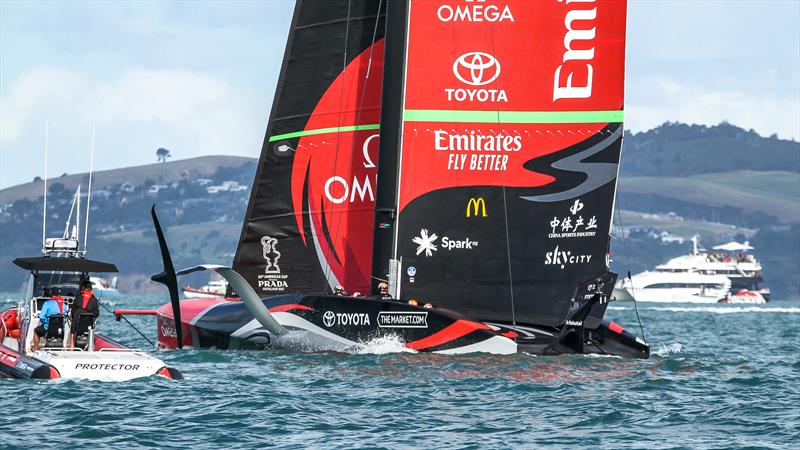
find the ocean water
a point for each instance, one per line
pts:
(721, 376)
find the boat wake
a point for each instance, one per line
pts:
(668, 348)
(721, 309)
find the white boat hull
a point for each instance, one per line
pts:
(102, 365)
(201, 294)
(668, 295)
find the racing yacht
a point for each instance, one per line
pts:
(727, 275)
(478, 178)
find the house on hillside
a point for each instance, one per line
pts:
(226, 186)
(156, 188)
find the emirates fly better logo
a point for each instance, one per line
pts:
(476, 68)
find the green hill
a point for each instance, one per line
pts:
(681, 150)
(136, 176)
(774, 193)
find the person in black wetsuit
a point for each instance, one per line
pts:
(87, 302)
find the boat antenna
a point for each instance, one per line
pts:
(89, 195)
(76, 229)
(44, 211)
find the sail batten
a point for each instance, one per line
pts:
(340, 129)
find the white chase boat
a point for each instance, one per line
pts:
(93, 357)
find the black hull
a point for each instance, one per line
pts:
(607, 339)
(322, 323)
(16, 365)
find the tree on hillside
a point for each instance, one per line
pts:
(162, 154)
(56, 189)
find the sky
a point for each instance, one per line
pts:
(197, 77)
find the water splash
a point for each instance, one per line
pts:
(666, 349)
(383, 345)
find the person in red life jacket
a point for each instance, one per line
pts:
(87, 302)
(53, 306)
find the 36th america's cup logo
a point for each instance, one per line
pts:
(271, 254)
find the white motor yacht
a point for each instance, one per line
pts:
(728, 272)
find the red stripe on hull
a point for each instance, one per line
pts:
(291, 307)
(458, 329)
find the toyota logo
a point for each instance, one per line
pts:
(476, 68)
(328, 318)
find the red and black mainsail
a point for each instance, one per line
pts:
(310, 218)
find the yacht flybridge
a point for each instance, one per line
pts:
(726, 275)
(468, 160)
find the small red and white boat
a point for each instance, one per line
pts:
(744, 296)
(214, 289)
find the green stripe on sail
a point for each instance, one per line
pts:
(277, 137)
(443, 115)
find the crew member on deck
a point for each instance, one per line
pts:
(383, 291)
(53, 306)
(339, 290)
(87, 302)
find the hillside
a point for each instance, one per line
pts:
(162, 173)
(680, 150)
(722, 182)
(773, 193)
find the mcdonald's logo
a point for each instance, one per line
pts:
(476, 207)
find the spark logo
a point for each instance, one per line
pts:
(425, 242)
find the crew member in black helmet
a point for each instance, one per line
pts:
(339, 290)
(383, 291)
